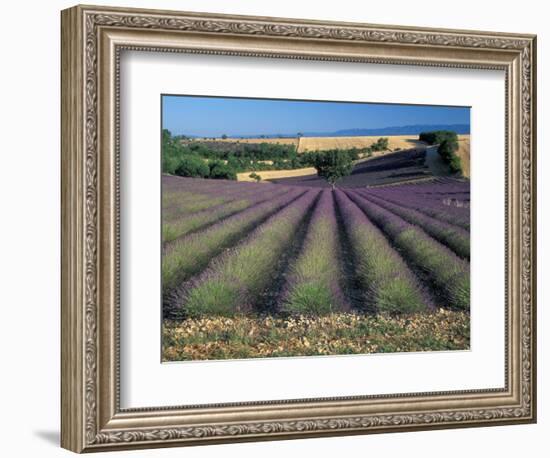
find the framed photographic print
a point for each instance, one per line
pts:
(278, 228)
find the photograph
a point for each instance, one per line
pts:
(313, 228)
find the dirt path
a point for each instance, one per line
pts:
(435, 163)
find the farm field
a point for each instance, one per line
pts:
(326, 143)
(285, 269)
(384, 168)
(304, 144)
(406, 165)
(272, 175)
(464, 153)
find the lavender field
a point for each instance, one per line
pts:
(262, 269)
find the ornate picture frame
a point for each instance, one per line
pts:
(92, 41)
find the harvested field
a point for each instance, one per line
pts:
(464, 153)
(325, 143)
(277, 174)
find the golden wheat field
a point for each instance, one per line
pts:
(276, 174)
(324, 143)
(464, 153)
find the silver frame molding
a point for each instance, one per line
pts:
(92, 40)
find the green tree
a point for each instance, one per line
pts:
(333, 165)
(221, 171)
(192, 166)
(166, 136)
(224, 136)
(436, 137)
(447, 150)
(172, 152)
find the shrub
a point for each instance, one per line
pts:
(255, 176)
(222, 171)
(307, 159)
(447, 150)
(169, 164)
(437, 136)
(353, 153)
(192, 166)
(455, 164)
(380, 145)
(171, 152)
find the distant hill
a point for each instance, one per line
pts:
(461, 129)
(394, 130)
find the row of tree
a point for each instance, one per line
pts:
(249, 151)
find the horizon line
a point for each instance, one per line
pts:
(308, 134)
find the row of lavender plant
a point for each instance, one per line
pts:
(179, 204)
(197, 194)
(387, 283)
(444, 269)
(193, 185)
(190, 254)
(234, 282)
(206, 188)
(460, 200)
(172, 230)
(182, 203)
(174, 185)
(428, 190)
(437, 192)
(434, 188)
(435, 209)
(313, 286)
(213, 188)
(454, 237)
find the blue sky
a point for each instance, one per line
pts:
(215, 116)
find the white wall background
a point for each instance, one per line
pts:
(29, 241)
